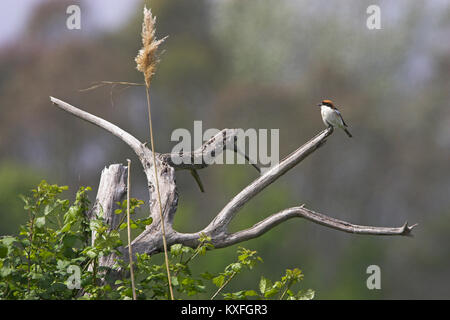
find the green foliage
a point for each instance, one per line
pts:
(282, 288)
(134, 224)
(39, 263)
(247, 259)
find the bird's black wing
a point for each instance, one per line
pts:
(340, 115)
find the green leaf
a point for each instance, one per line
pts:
(8, 241)
(62, 264)
(123, 226)
(278, 285)
(3, 251)
(187, 250)
(147, 221)
(236, 267)
(66, 227)
(70, 240)
(176, 249)
(175, 281)
(95, 224)
(250, 293)
(4, 272)
(219, 280)
(40, 222)
(206, 275)
(25, 200)
(271, 292)
(50, 208)
(71, 214)
(242, 257)
(308, 295)
(263, 284)
(91, 254)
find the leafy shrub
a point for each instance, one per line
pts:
(53, 258)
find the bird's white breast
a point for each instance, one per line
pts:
(329, 116)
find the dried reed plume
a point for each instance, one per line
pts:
(147, 58)
(146, 61)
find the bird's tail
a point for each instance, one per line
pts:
(348, 132)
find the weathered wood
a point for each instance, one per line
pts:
(203, 156)
(150, 240)
(132, 142)
(112, 189)
(223, 219)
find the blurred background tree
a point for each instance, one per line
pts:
(252, 64)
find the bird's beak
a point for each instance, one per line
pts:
(318, 104)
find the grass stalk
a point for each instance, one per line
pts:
(163, 229)
(130, 251)
(146, 62)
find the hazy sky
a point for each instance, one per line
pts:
(14, 13)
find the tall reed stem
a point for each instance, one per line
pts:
(130, 251)
(166, 257)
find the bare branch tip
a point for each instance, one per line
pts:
(407, 229)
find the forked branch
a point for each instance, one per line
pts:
(222, 220)
(149, 241)
(301, 212)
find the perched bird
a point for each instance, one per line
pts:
(332, 117)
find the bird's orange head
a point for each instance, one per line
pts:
(328, 103)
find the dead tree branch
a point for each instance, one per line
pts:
(112, 189)
(150, 240)
(131, 141)
(302, 212)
